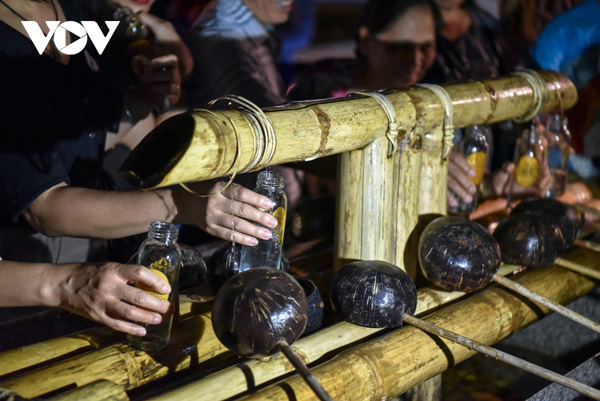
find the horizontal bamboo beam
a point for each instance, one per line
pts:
(391, 364)
(193, 342)
(310, 349)
(202, 145)
(56, 349)
(101, 390)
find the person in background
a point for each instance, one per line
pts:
(570, 44)
(236, 52)
(57, 111)
(395, 46)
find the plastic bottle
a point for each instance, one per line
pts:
(474, 147)
(268, 252)
(161, 254)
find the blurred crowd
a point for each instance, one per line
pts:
(71, 120)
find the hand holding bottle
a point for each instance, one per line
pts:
(103, 293)
(229, 214)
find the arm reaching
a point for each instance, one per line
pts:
(80, 212)
(101, 292)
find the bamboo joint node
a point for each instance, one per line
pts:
(538, 85)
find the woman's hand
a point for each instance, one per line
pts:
(459, 179)
(229, 214)
(106, 294)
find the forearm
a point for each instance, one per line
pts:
(80, 212)
(30, 284)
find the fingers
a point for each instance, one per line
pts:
(242, 194)
(459, 173)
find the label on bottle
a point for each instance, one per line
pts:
(477, 160)
(156, 268)
(527, 171)
(280, 215)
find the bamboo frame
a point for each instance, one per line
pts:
(370, 371)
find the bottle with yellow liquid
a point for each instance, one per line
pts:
(161, 254)
(474, 147)
(268, 252)
(529, 156)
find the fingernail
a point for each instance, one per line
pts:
(469, 199)
(267, 203)
(157, 319)
(472, 173)
(165, 289)
(266, 234)
(272, 222)
(141, 332)
(253, 241)
(472, 189)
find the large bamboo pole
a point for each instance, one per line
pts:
(56, 349)
(370, 371)
(316, 347)
(201, 145)
(193, 342)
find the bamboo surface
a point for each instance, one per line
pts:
(201, 146)
(56, 349)
(193, 341)
(101, 390)
(371, 371)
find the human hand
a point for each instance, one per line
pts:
(160, 80)
(503, 182)
(459, 179)
(228, 214)
(168, 41)
(104, 293)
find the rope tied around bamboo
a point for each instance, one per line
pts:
(448, 115)
(393, 127)
(538, 85)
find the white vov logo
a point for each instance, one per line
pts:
(57, 31)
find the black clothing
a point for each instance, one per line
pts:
(54, 119)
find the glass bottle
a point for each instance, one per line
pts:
(474, 147)
(559, 145)
(530, 160)
(268, 252)
(136, 36)
(161, 254)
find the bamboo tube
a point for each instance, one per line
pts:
(193, 341)
(363, 201)
(370, 371)
(310, 349)
(53, 350)
(201, 146)
(18, 359)
(101, 390)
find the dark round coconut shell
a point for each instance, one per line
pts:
(373, 294)
(458, 254)
(256, 309)
(315, 304)
(220, 268)
(528, 239)
(566, 217)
